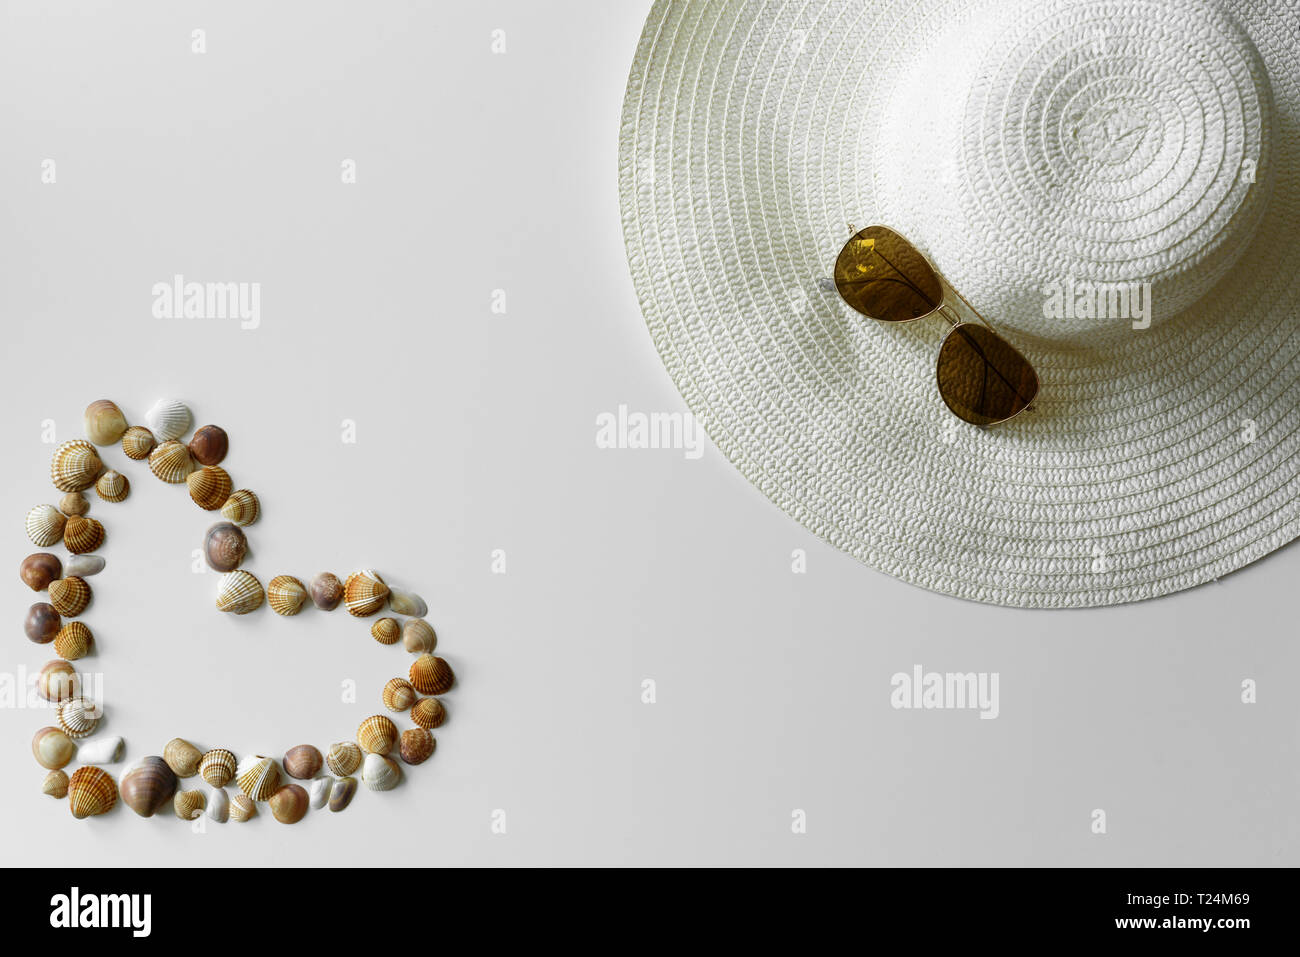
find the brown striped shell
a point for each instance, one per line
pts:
(239, 593)
(241, 507)
(386, 631)
(209, 487)
(147, 785)
(75, 466)
(398, 695)
(113, 486)
(73, 641)
(217, 767)
(258, 777)
(303, 762)
(428, 713)
(286, 595)
(377, 734)
(91, 790)
(343, 758)
(188, 805)
(364, 593)
(69, 596)
(431, 674)
(137, 443)
(82, 534)
(171, 462)
(416, 746)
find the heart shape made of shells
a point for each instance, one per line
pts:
(153, 782)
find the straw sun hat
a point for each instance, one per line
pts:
(1044, 154)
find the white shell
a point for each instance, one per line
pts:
(407, 603)
(218, 805)
(106, 750)
(380, 773)
(239, 592)
(45, 525)
(78, 717)
(319, 790)
(168, 419)
(81, 566)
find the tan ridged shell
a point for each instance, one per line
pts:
(91, 790)
(210, 487)
(241, 507)
(53, 748)
(398, 695)
(55, 784)
(431, 675)
(188, 805)
(239, 592)
(171, 462)
(428, 713)
(113, 486)
(416, 746)
(79, 717)
(343, 758)
(286, 595)
(386, 631)
(258, 777)
(147, 785)
(45, 525)
(364, 593)
(242, 807)
(82, 534)
(289, 803)
(138, 442)
(418, 636)
(182, 757)
(69, 596)
(377, 734)
(73, 641)
(75, 466)
(58, 681)
(217, 767)
(380, 773)
(168, 419)
(104, 422)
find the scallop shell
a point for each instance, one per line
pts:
(377, 734)
(431, 674)
(398, 695)
(79, 717)
(219, 805)
(217, 767)
(428, 713)
(69, 596)
(82, 534)
(106, 749)
(171, 462)
(91, 790)
(364, 593)
(55, 784)
(104, 422)
(209, 445)
(241, 507)
(188, 805)
(45, 525)
(258, 777)
(302, 762)
(42, 623)
(343, 758)
(168, 419)
(289, 804)
(342, 792)
(113, 486)
(138, 442)
(83, 566)
(75, 466)
(58, 681)
(242, 808)
(407, 603)
(319, 791)
(386, 631)
(416, 746)
(286, 595)
(239, 593)
(73, 641)
(147, 785)
(182, 757)
(210, 487)
(74, 503)
(39, 569)
(52, 748)
(380, 773)
(326, 591)
(418, 636)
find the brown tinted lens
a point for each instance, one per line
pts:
(982, 378)
(883, 276)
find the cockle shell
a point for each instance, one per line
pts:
(82, 534)
(326, 591)
(45, 525)
(147, 785)
(75, 466)
(398, 695)
(210, 487)
(407, 603)
(107, 749)
(286, 595)
(242, 507)
(168, 419)
(341, 793)
(74, 503)
(182, 757)
(171, 462)
(39, 569)
(418, 636)
(42, 623)
(431, 674)
(83, 566)
(219, 805)
(380, 773)
(364, 593)
(91, 790)
(343, 758)
(416, 746)
(52, 748)
(104, 422)
(242, 808)
(73, 641)
(258, 777)
(69, 596)
(113, 486)
(209, 445)
(386, 631)
(239, 593)
(224, 546)
(58, 681)
(428, 713)
(79, 717)
(188, 805)
(289, 804)
(319, 791)
(55, 784)
(303, 762)
(217, 767)
(138, 442)
(377, 734)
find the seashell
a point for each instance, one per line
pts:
(168, 419)
(73, 641)
(219, 805)
(113, 486)
(210, 487)
(242, 808)
(209, 445)
(431, 674)
(104, 422)
(107, 749)
(377, 734)
(289, 804)
(418, 636)
(416, 746)
(380, 773)
(147, 785)
(79, 717)
(58, 681)
(81, 534)
(188, 805)
(171, 462)
(42, 623)
(326, 591)
(258, 777)
(39, 569)
(69, 596)
(182, 757)
(428, 713)
(364, 593)
(74, 503)
(303, 762)
(138, 442)
(319, 791)
(91, 791)
(52, 748)
(55, 784)
(398, 695)
(239, 593)
(407, 603)
(285, 594)
(83, 566)
(242, 507)
(217, 767)
(386, 631)
(341, 793)
(224, 546)
(75, 466)
(343, 758)
(45, 525)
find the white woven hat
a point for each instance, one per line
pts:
(1044, 154)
